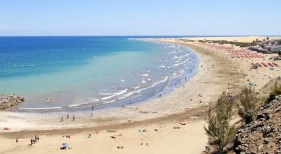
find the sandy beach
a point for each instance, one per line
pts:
(125, 126)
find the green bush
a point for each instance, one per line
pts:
(220, 132)
(248, 103)
(275, 92)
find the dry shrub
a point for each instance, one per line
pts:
(220, 132)
(276, 91)
(248, 104)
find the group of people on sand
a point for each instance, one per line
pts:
(145, 144)
(120, 147)
(32, 141)
(66, 136)
(67, 117)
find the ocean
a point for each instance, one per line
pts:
(75, 73)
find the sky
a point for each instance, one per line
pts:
(139, 17)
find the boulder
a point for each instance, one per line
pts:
(7, 100)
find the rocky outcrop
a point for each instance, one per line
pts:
(8, 100)
(262, 135)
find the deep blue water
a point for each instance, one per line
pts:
(77, 72)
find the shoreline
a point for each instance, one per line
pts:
(136, 96)
(160, 136)
(148, 110)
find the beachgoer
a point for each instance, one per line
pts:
(73, 118)
(92, 108)
(207, 148)
(31, 141)
(67, 116)
(36, 138)
(89, 136)
(17, 140)
(61, 120)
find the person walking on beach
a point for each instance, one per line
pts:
(207, 148)
(73, 118)
(92, 108)
(67, 116)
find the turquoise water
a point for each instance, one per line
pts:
(79, 72)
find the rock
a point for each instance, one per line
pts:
(265, 141)
(262, 135)
(7, 100)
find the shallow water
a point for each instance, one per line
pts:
(80, 72)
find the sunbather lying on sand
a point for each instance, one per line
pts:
(113, 137)
(120, 147)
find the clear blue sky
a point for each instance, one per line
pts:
(140, 17)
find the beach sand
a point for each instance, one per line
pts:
(211, 80)
(237, 39)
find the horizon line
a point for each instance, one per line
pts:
(130, 35)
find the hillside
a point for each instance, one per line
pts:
(264, 134)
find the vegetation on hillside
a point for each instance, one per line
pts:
(248, 102)
(219, 130)
(275, 92)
